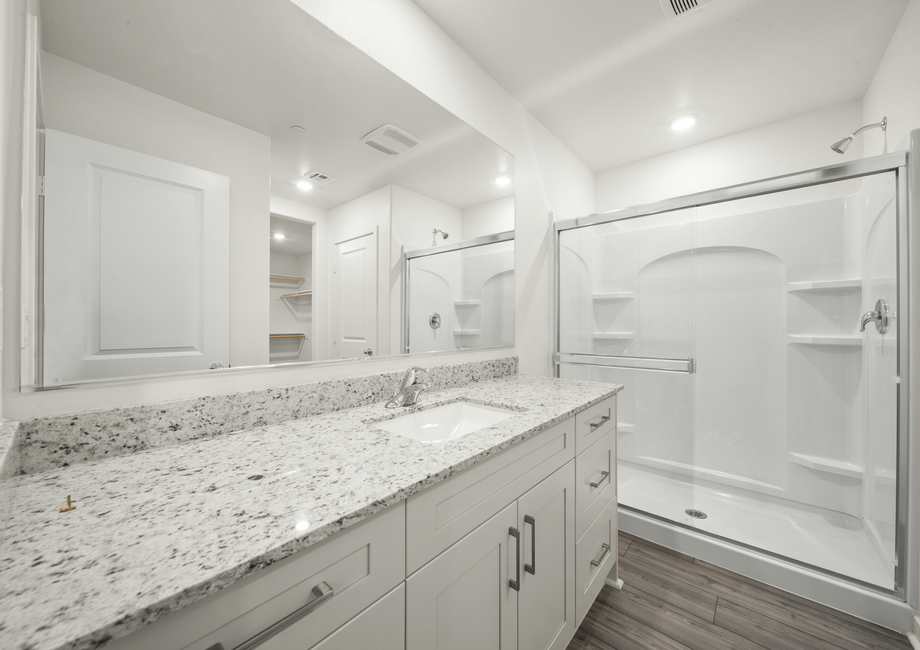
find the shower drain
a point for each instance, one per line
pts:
(696, 514)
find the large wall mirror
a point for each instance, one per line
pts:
(230, 184)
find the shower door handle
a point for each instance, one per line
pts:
(880, 316)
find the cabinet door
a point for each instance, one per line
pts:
(546, 603)
(382, 626)
(462, 599)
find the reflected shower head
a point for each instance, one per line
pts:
(841, 145)
(434, 233)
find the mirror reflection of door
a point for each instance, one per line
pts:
(129, 286)
(355, 296)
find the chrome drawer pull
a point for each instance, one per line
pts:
(532, 568)
(595, 425)
(603, 556)
(516, 534)
(603, 476)
(322, 591)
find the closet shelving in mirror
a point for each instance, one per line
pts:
(299, 294)
(293, 335)
(286, 279)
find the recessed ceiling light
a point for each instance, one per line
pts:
(278, 235)
(501, 181)
(304, 186)
(299, 130)
(683, 123)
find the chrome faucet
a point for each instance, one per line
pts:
(409, 389)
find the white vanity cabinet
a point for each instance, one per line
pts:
(509, 553)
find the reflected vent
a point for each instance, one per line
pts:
(390, 140)
(676, 8)
(319, 178)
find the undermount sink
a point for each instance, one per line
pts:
(446, 422)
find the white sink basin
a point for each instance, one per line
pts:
(445, 423)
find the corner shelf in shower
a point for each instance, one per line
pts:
(825, 285)
(840, 467)
(467, 303)
(613, 336)
(616, 295)
(623, 427)
(466, 332)
(848, 340)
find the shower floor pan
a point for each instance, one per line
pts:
(824, 539)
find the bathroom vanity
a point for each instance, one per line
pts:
(329, 532)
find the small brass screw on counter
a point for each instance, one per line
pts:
(69, 507)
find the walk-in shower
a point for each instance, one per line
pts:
(759, 427)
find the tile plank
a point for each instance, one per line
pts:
(822, 610)
(693, 632)
(766, 631)
(672, 591)
(842, 630)
(623, 632)
(663, 549)
(623, 543)
(584, 641)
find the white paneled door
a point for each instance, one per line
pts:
(355, 296)
(136, 263)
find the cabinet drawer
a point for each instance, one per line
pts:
(382, 626)
(360, 564)
(595, 481)
(442, 514)
(595, 555)
(594, 423)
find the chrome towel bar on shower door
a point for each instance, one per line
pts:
(685, 366)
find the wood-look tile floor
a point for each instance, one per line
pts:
(672, 601)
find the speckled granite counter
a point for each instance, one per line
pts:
(159, 529)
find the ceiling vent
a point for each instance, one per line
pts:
(319, 178)
(677, 8)
(390, 140)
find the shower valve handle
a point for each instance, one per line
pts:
(879, 316)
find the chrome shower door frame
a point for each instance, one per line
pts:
(904, 165)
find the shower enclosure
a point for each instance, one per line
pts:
(459, 296)
(761, 332)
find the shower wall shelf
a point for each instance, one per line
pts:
(825, 285)
(830, 465)
(467, 303)
(616, 295)
(623, 427)
(299, 294)
(825, 340)
(466, 332)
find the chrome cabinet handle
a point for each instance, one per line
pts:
(599, 561)
(595, 425)
(322, 591)
(516, 534)
(603, 476)
(532, 568)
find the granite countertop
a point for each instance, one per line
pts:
(157, 530)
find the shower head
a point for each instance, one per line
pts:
(434, 234)
(842, 145)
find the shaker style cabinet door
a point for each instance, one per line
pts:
(546, 603)
(463, 598)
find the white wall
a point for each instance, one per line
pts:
(895, 88)
(487, 218)
(796, 144)
(83, 102)
(548, 177)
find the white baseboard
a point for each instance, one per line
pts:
(913, 635)
(618, 584)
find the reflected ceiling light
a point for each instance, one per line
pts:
(304, 186)
(683, 123)
(501, 181)
(278, 235)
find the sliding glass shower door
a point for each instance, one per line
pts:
(757, 340)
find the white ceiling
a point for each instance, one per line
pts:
(608, 76)
(267, 65)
